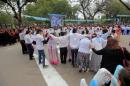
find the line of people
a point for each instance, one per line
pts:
(31, 40)
(8, 36)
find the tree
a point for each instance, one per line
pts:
(43, 7)
(4, 17)
(114, 7)
(126, 5)
(74, 10)
(16, 7)
(89, 8)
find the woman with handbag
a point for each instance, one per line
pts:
(112, 55)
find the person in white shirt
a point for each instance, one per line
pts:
(40, 47)
(28, 42)
(22, 42)
(69, 55)
(57, 31)
(74, 45)
(51, 31)
(84, 54)
(62, 31)
(106, 33)
(95, 61)
(91, 30)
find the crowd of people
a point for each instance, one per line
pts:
(8, 36)
(87, 47)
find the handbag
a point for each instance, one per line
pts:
(125, 61)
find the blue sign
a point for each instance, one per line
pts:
(56, 20)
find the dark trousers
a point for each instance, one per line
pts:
(74, 53)
(63, 54)
(30, 51)
(24, 48)
(41, 56)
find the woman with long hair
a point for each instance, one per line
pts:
(112, 55)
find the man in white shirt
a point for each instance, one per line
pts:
(40, 47)
(22, 42)
(106, 33)
(28, 42)
(83, 54)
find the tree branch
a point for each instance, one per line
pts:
(124, 4)
(18, 3)
(13, 9)
(24, 4)
(80, 11)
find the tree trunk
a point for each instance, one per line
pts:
(19, 22)
(85, 17)
(91, 17)
(19, 18)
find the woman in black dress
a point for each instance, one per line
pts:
(112, 55)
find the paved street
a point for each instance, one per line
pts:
(17, 70)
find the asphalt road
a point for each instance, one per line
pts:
(17, 70)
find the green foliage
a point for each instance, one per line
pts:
(5, 18)
(44, 7)
(114, 7)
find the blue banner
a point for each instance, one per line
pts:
(56, 20)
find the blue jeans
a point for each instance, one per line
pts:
(41, 56)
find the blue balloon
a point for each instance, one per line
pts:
(94, 83)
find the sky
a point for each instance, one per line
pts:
(127, 0)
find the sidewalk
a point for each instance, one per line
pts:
(17, 70)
